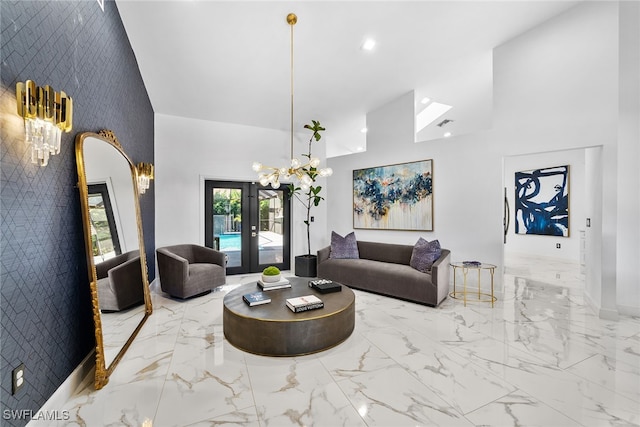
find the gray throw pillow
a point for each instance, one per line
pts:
(344, 247)
(425, 254)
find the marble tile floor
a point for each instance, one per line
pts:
(540, 357)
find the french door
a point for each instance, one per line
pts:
(249, 223)
(105, 241)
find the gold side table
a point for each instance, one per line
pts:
(465, 267)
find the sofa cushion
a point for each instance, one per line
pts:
(424, 254)
(396, 280)
(344, 247)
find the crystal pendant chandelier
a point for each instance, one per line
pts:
(46, 115)
(145, 175)
(302, 172)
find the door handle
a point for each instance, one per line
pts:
(506, 219)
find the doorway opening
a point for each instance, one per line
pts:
(528, 255)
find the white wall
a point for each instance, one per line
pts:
(187, 151)
(460, 199)
(628, 184)
(555, 88)
(593, 233)
(546, 245)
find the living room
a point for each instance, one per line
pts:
(564, 92)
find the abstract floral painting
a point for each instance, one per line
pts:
(394, 197)
(542, 201)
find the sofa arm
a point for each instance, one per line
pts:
(323, 254)
(126, 279)
(173, 269)
(205, 255)
(103, 268)
(440, 274)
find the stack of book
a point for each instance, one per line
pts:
(269, 286)
(305, 303)
(256, 298)
(471, 263)
(325, 286)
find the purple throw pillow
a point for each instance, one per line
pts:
(344, 247)
(425, 254)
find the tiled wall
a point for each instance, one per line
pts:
(45, 311)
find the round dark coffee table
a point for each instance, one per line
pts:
(274, 330)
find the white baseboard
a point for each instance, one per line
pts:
(602, 313)
(629, 311)
(608, 314)
(67, 389)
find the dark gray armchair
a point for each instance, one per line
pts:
(190, 270)
(120, 283)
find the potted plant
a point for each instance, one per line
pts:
(271, 274)
(309, 195)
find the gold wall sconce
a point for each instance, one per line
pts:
(46, 115)
(145, 175)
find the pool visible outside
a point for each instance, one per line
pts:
(269, 246)
(233, 241)
(230, 242)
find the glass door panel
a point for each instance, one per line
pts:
(227, 223)
(103, 225)
(271, 227)
(249, 223)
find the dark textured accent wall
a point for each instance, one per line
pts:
(45, 316)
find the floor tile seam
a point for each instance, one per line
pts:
(337, 380)
(349, 403)
(337, 384)
(422, 333)
(613, 390)
(561, 406)
(541, 362)
(568, 367)
(253, 395)
(484, 370)
(204, 420)
(479, 362)
(634, 337)
(488, 372)
(170, 363)
(490, 403)
(451, 404)
(442, 401)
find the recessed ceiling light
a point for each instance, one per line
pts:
(425, 100)
(364, 130)
(368, 44)
(359, 148)
(447, 134)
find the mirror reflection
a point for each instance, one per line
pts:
(114, 242)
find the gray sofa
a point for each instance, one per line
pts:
(383, 268)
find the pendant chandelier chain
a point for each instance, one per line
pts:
(304, 172)
(291, 24)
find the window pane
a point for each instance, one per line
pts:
(271, 230)
(227, 223)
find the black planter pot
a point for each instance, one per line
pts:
(306, 266)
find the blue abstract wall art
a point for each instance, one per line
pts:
(542, 201)
(394, 197)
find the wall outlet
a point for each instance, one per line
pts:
(17, 376)
(557, 245)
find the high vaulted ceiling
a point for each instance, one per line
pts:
(228, 61)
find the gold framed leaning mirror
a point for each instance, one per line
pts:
(114, 245)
